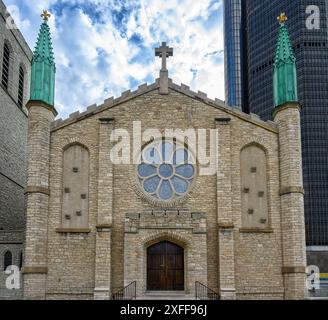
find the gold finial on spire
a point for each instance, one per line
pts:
(45, 15)
(282, 18)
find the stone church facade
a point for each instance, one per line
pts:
(95, 225)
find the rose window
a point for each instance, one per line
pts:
(166, 171)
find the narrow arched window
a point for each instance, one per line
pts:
(254, 191)
(75, 206)
(5, 66)
(21, 260)
(8, 260)
(21, 86)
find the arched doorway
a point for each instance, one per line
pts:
(165, 267)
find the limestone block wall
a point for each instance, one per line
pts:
(71, 253)
(258, 251)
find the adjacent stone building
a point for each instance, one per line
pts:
(15, 68)
(113, 198)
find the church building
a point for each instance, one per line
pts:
(163, 190)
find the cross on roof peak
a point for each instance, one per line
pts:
(164, 52)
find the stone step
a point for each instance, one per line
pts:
(166, 295)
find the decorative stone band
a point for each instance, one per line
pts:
(33, 189)
(71, 230)
(104, 227)
(255, 230)
(226, 226)
(289, 190)
(287, 105)
(34, 270)
(39, 103)
(291, 270)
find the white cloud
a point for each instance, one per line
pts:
(96, 57)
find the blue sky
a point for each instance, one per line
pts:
(104, 47)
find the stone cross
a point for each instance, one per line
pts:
(164, 52)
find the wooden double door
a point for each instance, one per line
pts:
(165, 267)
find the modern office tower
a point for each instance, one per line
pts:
(15, 69)
(308, 27)
(235, 45)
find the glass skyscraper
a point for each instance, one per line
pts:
(236, 66)
(309, 36)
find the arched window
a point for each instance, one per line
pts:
(75, 206)
(254, 191)
(21, 80)
(5, 66)
(8, 260)
(21, 260)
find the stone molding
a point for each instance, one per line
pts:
(75, 139)
(34, 270)
(159, 235)
(292, 189)
(294, 269)
(256, 230)
(226, 226)
(71, 230)
(39, 103)
(165, 220)
(34, 189)
(104, 227)
(287, 105)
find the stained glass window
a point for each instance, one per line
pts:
(167, 170)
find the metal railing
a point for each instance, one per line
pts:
(127, 293)
(203, 292)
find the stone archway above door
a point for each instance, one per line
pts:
(184, 229)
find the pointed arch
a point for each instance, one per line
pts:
(21, 84)
(21, 260)
(169, 235)
(7, 54)
(254, 186)
(75, 188)
(7, 259)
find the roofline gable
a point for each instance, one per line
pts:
(145, 88)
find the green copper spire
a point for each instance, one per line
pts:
(284, 68)
(43, 66)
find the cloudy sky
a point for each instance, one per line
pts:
(104, 47)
